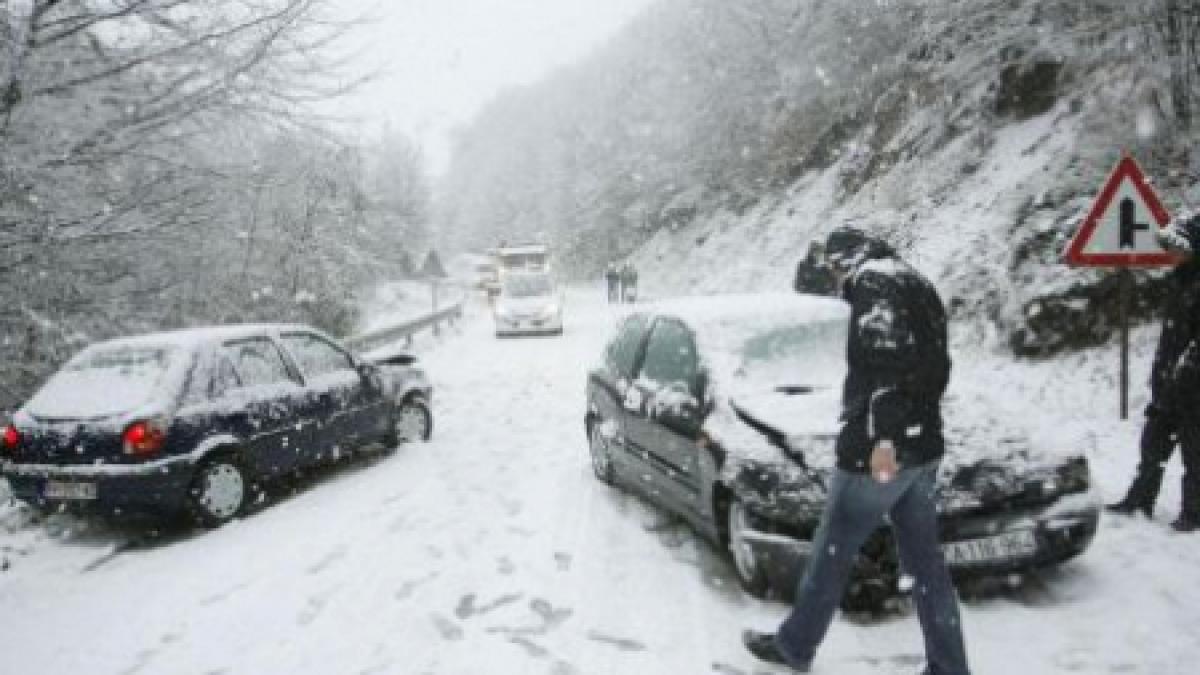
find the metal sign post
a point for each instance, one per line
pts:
(1126, 290)
(1118, 233)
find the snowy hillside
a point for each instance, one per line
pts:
(966, 216)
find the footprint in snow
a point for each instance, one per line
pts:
(314, 607)
(411, 585)
(551, 619)
(624, 644)
(563, 560)
(447, 628)
(330, 558)
(530, 647)
(467, 608)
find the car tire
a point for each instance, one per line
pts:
(601, 454)
(748, 569)
(219, 491)
(413, 421)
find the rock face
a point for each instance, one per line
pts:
(1083, 316)
(1027, 90)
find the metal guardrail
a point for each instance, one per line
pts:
(405, 331)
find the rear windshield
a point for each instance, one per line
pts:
(100, 383)
(527, 287)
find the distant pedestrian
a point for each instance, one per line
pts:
(888, 453)
(613, 277)
(1173, 416)
(629, 281)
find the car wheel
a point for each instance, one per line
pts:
(751, 575)
(601, 454)
(218, 491)
(413, 421)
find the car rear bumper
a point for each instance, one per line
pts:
(1060, 531)
(154, 486)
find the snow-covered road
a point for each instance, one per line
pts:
(492, 549)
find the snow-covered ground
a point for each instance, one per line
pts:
(492, 549)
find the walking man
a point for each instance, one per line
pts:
(888, 453)
(1173, 416)
(629, 280)
(614, 283)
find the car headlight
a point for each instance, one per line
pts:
(550, 311)
(503, 313)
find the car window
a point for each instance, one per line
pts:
(670, 353)
(257, 362)
(315, 355)
(104, 381)
(211, 381)
(527, 286)
(622, 351)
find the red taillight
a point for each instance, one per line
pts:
(12, 438)
(143, 438)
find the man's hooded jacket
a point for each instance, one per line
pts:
(898, 363)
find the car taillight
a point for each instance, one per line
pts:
(12, 438)
(143, 438)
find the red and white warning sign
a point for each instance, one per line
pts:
(1120, 229)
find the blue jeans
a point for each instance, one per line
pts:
(855, 508)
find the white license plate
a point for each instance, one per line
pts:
(60, 490)
(1001, 547)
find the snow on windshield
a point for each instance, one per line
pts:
(754, 345)
(101, 382)
(527, 286)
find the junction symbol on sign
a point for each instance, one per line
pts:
(1119, 231)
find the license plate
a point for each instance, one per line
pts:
(60, 490)
(1006, 546)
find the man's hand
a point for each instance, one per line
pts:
(883, 461)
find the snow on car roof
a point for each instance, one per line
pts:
(190, 338)
(522, 248)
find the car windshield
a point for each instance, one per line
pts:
(102, 382)
(527, 287)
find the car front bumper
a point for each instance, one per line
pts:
(529, 326)
(1060, 531)
(159, 486)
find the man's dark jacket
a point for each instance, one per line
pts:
(1175, 375)
(898, 362)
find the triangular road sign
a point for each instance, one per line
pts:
(1119, 230)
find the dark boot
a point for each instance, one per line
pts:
(1127, 507)
(1142, 494)
(1189, 515)
(1185, 523)
(763, 647)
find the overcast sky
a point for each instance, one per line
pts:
(441, 60)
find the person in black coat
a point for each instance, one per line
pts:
(1173, 416)
(614, 283)
(888, 453)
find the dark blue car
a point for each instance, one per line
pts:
(189, 421)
